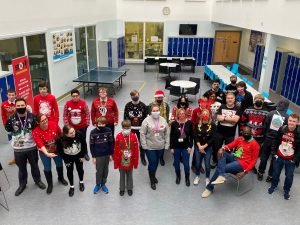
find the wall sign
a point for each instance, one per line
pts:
(62, 42)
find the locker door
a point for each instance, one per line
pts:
(10, 82)
(293, 79)
(297, 84)
(205, 52)
(3, 88)
(109, 54)
(170, 46)
(175, 47)
(275, 72)
(210, 51)
(180, 47)
(190, 47)
(286, 72)
(185, 47)
(288, 78)
(195, 49)
(200, 49)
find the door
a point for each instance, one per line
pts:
(227, 47)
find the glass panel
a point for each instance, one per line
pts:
(81, 50)
(37, 54)
(154, 39)
(91, 36)
(134, 36)
(10, 49)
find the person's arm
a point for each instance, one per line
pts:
(168, 112)
(167, 136)
(276, 141)
(143, 133)
(92, 144)
(35, 109)
(9, 125)
(111, 143)
(40, 144)
(190, 135)
(135, 152)
(173, 116)
(87, 114)
(55, 109)
(220, 117)
(232, 144)
(59, 148)
(126, 112)
(144, 112)
(65, 115)
(3, 114)
(116, 154)
(255, 153)
(243, 121)
(116, 113)
(93, 114)
(296, 158)
(83, 144)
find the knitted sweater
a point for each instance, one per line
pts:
(76, 114)
(136, 113)
(7, 110)
(46, 105)
(107, 108)
(101, 142)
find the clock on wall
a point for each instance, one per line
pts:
(166, 11)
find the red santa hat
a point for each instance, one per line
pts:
(159, 93)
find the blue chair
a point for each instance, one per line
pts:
(250, 83)
(228, 67)
(289, 111)
(244, 79)
(238, 75)
(265, 94)
(235, 68)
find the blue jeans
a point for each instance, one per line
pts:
(185, 158)
(289, 167)
(226, 164)
(47, 162)
(199, 157)
(153, 157)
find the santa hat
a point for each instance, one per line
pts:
(159, 93)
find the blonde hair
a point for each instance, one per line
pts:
(179, 111)
(101, 120)
(209, 114)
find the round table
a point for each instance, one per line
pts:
(170, 65)
(183, 83)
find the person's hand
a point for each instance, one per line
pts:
(220, 153)
(189, 150)
(240, 175)
(116, 124)
(172, 151)
(110, 158)
(81, 159)
(201, 149)
(94, 160)
(51, 155)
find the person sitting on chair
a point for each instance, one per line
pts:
(240, 162)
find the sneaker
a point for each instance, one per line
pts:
(207, 181)
(260, 176)
(130, 192)
(81, 186)
(71, 191)
(87, 157)
(219, 180)
(104, 189)
(286, 196)
(11, 162)
(96, 188)
(269, 179)
(206, 193)
(122, 193)
(271, 190)
(196, 180)
(41, 185)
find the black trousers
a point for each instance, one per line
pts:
(265, 154)
(21, 161)
(142, 151)
(70, 169)
(220, 139)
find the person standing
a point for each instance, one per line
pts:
(45, 103)
(8, 108)
(243, 98)
(77, 115)
(287, 154)
(126, 156)
(232, 86)
(181, 144)
(155, 137)
(72, 147)
(20, 126)
(183, 103)
(45, 135)
(164, 111)
(136, 112)
(220, 96)
(105, 107)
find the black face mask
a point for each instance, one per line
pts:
(258, 103)
(21, 110)
(159, 101)
(182, 104)
(246, 136)
(233, 81)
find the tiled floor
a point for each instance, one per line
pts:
(169, 204)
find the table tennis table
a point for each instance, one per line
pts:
(102, 75)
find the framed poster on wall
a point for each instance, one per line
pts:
(256, 37)
(62, 44)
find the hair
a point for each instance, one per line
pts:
(134, 92)
(179, 111)
(39, 118)
(210, 93)
(66, 129)
(126, 123)
(202, 112)
(232, 76)
(230, 93)
(295, 116)
(75, 91)
(179, 101)
(241, 84)
(154, 105)
(42, 84)
(64, 136)
(10, 90)
(216, 81)
(20, 100)
(259, 96)
(102, 89)
(101, 120)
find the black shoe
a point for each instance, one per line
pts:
(71, 191)
(49, 189)
(162, 162)
(178, 178)
(187, 181)
(130, 192)
(269, 179)
(48, 175)
(87, 157)
(63, 181)
(81, 186)
(41, 185)
(254, 170)
(153, 186)
(155, 180)
(20, 190)
(144, 161)
(260, 176)
(122, 193)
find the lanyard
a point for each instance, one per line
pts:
(156, 124)
(127, 144)
(182, 130)
(25, 121)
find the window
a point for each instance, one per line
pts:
(154, 39)
(134, 39)
(80, 37)
(92, 49)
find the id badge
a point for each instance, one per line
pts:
(180, 139)
(156, 134)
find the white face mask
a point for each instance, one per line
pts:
(155, 115)
(126, 132)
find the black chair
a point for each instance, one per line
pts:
(168, 82)
(162, 70)
(175, 91)
(177, 69)
(194, 91)
(4, 186)
(149, 61)
(162, 60)
(191, 63)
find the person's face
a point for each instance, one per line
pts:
(292, 122)
(233, 80)
(126, 127)
(215, 86)
(247, 131)
(75, 97)
(155, 109)
(159, 99)
(11, 96)
(205, 117)
(43, 90)
(44, 121)
(230, 99)
(20, 104)
(212, 97)
(240, 89)
(71, 133)
(102, 93)
(99, 124)
(181, 115)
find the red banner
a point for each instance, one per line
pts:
(21, 70)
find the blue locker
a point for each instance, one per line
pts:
(10, 82)
(287, 69)
(109, 54)
(190, 47)
(296, 86)
(210, 49)
(170, 46)
(289, 77)
(259, 55)
(180, 47)
(200, 48)
(3, 88)
(205, 52)
(185, 47)
(195, 48)
(275, 71)
(175, 47)
(293, 79)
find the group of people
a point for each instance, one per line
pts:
(228, 131)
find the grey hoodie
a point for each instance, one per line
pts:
(273, 121)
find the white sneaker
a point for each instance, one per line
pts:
(206, 193)
(196, 180)
(206, 181)
(219, 180)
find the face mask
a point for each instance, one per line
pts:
(159, 101)
(182, 104)
(126, 132)
(155, 115)
(135, 98)
(233, 81)
(247, 136)
(258, 103)
(205, 117)
(216, 87)
(21, 110)
(100, 126)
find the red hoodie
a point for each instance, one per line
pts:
(125, 158)
(108, 108)
(76, 114)
(46, 105)
(7, 110)
(245, 152)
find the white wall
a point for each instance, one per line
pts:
(280, 17)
